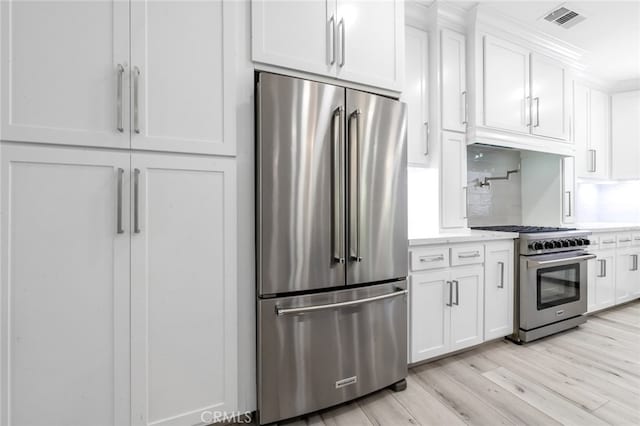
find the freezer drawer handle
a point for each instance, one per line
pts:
(301, 310)
(535, 263)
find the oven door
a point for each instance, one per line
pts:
(553, 287)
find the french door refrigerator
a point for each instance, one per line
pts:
(331, 195)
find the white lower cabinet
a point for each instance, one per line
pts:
(601, 291)
(498, 289)
(627, 274)
(455, 307)
(117, 287)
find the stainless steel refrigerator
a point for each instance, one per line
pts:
(331, 199)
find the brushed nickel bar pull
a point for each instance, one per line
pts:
(426, 139)
(465, 204)
(338, 190)
(342, 42)
(450, 294)
(119, 111)
(537, 112)
(463, 100)
(593, 161)
(119, 228)
(469, 256)
(501, 265)
(356, 114)
(332, 40)
(569, 196)
(603, 268)
(289, 311)
(136, 99)
(457, 302)
(435, 258)
(527, 111)
(136, 201)
(635, 262)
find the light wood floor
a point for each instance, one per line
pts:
(585, 376)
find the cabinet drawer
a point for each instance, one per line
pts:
(636, 239)
(467, 255)
(607, 241)
(429, 258)
(624, 240)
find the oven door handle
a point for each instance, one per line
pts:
(563, 261)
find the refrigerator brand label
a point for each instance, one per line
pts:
(346, 382)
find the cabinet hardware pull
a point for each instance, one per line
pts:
(436, 258)
(119, 228)
(603, 268)
(635, 262)
(119, 112)
(332, 40)
(426, 141)
(569, 202)
(527, 110)
(608, 241)
(537, 100)
(457, 302)
(469, 255)
(593, 167)
(501, 264)
(136, 201)
(626, 240)
(136, 100)
(355, 212)
(465, 204)
(338, 219)
(465, 109)
(342, 42)
(450, 294)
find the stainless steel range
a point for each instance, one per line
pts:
(551, 279)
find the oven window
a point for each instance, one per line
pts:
(558, 285)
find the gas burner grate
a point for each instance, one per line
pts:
(522, 229)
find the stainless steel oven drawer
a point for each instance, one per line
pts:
(319, 350)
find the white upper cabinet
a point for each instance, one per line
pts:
(548, 98)
(64, 72)
(591, 134)
(182, 75)
(454, 86)
(506, 85)
(300, 35)
(453, 212)
(360, 42)
(416, 95)
(625, 135)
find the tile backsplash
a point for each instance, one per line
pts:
(501, 202)
(608, 202)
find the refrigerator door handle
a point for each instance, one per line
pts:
(338, 185)
(354, 229)
(304, 309)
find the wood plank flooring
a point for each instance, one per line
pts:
(585, 376)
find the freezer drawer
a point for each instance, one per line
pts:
(312, 355)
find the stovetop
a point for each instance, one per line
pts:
(522, 229)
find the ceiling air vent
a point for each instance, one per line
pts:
(566, 18)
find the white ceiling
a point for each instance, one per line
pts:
(610, 34)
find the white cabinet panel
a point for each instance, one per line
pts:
(467, 310)
(64, 287)
(430, 315)
(498, 295)
(182, 76)
(59, 72)
(416, 95)
(625, 135)
(569, 186)
(454, 180)
(599, 135)
(183, 297)
(371, 40)
(548, 97)
(602, 280)
(295, 34)
(454, 84)
(506, 85)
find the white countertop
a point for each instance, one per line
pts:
(461, 236)
(608, 226)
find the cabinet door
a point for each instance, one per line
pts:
(416, 95)
(625, 128)
(64, 295)
(603, 293)
(581, 130)
(183, 76)
(599, 137)
(548, 98)
(371, 42)
(625, 265)
(467, 310)
(498, 309)
(454, 181)
(430, 296)
(64, 72)
(183, 244)
(300, 35)
(569, 185)
(454, 83)
(506, 85)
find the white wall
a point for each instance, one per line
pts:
(423, 207)
(616, 202)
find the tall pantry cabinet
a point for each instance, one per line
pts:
(118, 212)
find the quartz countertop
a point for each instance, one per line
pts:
(608, 226)
(462, 236)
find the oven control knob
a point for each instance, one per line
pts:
(586, 242)
(536, 245)
(565, 243)
(549, 244)
(572, 242)
(557, 244)
(579, 241)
